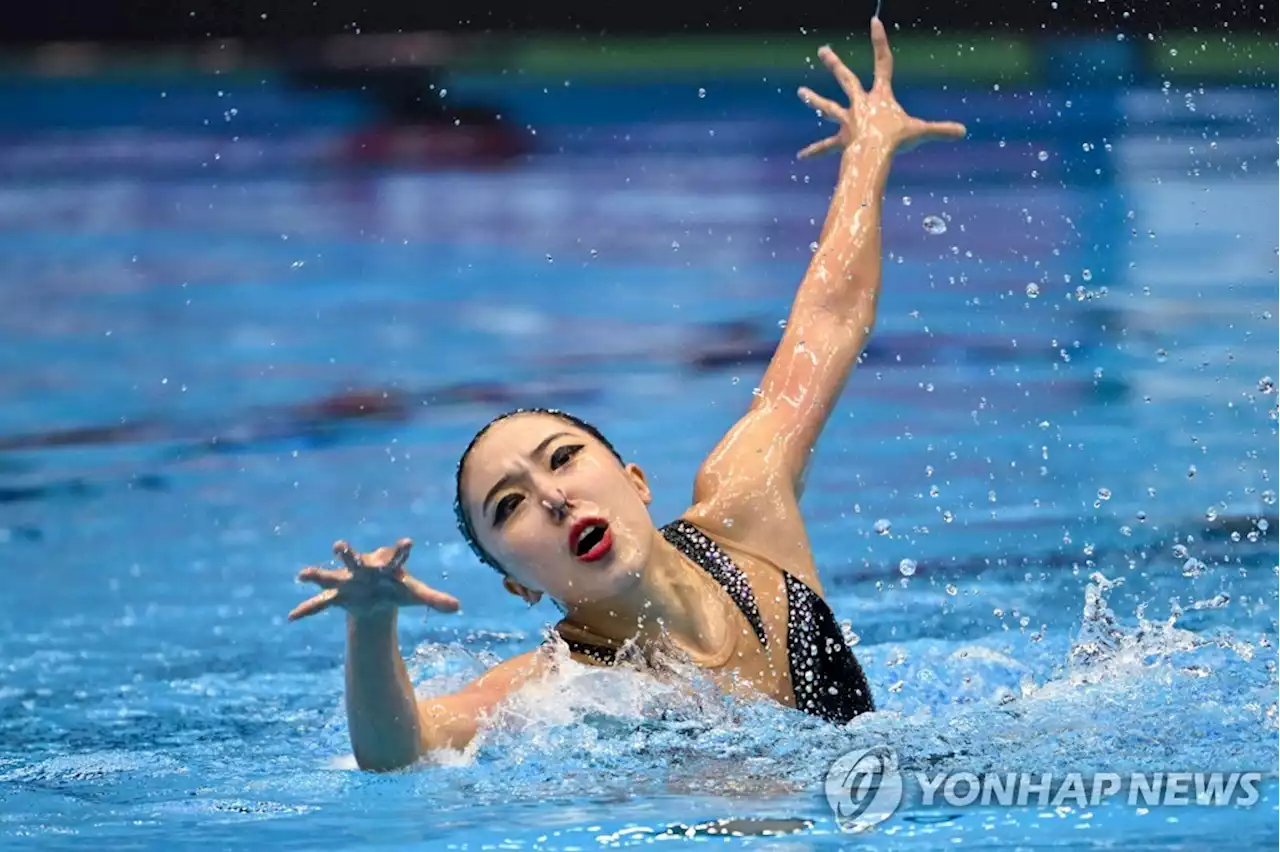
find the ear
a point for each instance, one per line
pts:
(525, 593)
(638, 482)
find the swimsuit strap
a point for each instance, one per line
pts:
(707, 555)
(602, 654)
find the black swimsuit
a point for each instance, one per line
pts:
(826, 677)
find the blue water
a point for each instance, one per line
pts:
(153, 695)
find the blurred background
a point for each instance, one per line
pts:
(265, 267)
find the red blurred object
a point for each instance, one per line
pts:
(432, 146)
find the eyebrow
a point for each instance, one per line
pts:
(508, 478)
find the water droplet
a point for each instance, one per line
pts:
(702, 93)
(736, 380)
(1218, 601)
(1191, 472)
(1263, 524)
(883, 526)
(998, 612)
(1033, 290)
(1042, 156)
(933, 491)
(1162, 355)
(1104, 493)
(1087, 274)
(813, 246)
(952, 590)
(948, 517)
(1142, 517)
(782, 323)
(1211, 514)
(1266, 384)
(1193, 567)
(1180, 551)
(907, 567)
(595, 252)
(1269, 497)
(1126, 530)
(675, 246)
(1235, 535)
(1088, 549)
(934, 225)
(906, 201)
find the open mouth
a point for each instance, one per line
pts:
(590, 539)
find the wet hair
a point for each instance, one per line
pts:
(460, 513)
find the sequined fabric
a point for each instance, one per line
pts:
(825, 675)
(705, 553)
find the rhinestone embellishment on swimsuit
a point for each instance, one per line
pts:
(825, 676)
(694, 544)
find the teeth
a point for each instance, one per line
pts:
(588, 531)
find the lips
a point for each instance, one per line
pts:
(590, 539)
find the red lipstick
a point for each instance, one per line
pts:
(590, 539)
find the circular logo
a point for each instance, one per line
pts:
(864, 788)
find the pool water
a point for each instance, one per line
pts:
(1068, 400)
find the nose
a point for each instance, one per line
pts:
(558, 505)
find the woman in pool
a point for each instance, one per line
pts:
(730, 586)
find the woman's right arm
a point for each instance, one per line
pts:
(389, 727)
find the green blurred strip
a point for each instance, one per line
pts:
(981, 58)
(1214, 56)
(970, 58)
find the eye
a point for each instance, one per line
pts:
(564, 454)
(505, 507)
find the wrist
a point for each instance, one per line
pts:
(376, 620)
(864, 157)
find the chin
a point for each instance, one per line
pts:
(601, 581)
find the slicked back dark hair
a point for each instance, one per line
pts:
(460, 513)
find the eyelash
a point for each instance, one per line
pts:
(508, 504)
(571, 449)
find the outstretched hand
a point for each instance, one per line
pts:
(370, 582)
(874, 117)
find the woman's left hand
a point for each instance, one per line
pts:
(873, 119)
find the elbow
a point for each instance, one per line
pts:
(855, 317)
(384, 761)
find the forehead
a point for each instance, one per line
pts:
(507, 439)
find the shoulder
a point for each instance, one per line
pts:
(768, 531)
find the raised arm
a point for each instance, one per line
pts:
(835, 307)
(389, 727)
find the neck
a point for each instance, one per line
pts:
(674, 600)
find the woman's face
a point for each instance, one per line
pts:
(514, 486)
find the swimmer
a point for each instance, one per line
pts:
(731, 585)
